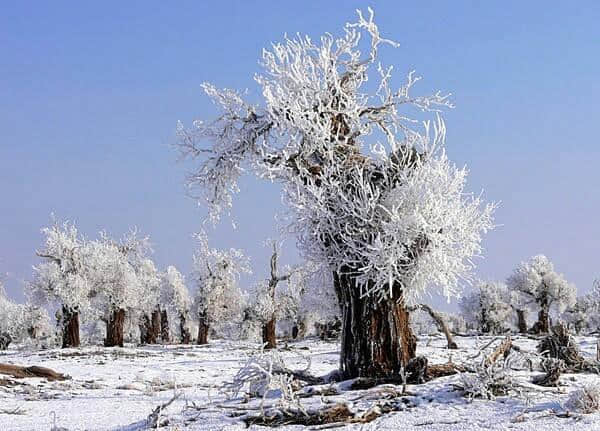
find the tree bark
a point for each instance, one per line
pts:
(522, 321)
(542, 326)
(114, 328)
(377, 340)
(203, 328)
(441, 324)
(268, 335)
(145, 326)
(154, 333)
(70, 327)
(186, 337)
(164, 327)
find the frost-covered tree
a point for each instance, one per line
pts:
(24, 323)
(488, 307)
(117, 272)
(271, 303)
(61, 279)
(317, 305)
(369, 190)
(540, 286)
(176, 302)
(578, 316)
(216, 275)
(585, 313)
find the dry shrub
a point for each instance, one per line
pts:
(584, 400)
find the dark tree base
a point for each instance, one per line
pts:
(268, 335)
(114, 329)
(70, 322)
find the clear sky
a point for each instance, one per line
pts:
(90, 95)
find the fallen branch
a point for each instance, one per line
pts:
(19, 372)
(503, 349)
(152, 420)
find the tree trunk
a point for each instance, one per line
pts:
(114, 328)
(164, 327)
(70, 327)
(186, 337)
(154, 333)
(542, 326)
(377, 340)
(203, 327)
(145, 326)
(441, 324)
(268, 335)
(522, 321)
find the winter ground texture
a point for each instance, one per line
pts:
(119, 388)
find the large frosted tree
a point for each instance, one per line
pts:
(540, 286)
(369, 188)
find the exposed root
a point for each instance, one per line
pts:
(561, 345)
(553, 368)
(417, 371)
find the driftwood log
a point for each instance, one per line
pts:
(441, 324)
(19, 372)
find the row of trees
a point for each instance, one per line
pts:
(107, 280)
(534, 286)
(116, 282)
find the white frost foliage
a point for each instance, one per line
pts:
(216, 275)
(22, 321)
(114, 281)
(391, 213)
(488, 307)
(175, 298)
(537, 283)
(584, 400)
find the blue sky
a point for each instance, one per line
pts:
(90, 95)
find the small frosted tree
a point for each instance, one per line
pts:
(61, 279)
(177, 302)
(488, 307)
(370, 191)
(271, 303)
(216, 275)
(317, 306)
(541, 287)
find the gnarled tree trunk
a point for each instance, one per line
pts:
(203, 328)
(164, 327)
(268, 335)
(377, 340)
(542, 326)
(70, 327)
(522, 321)
(114, 328)
(186, 337)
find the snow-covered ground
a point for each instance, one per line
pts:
(117, 388)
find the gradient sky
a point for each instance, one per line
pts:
(90, 95)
